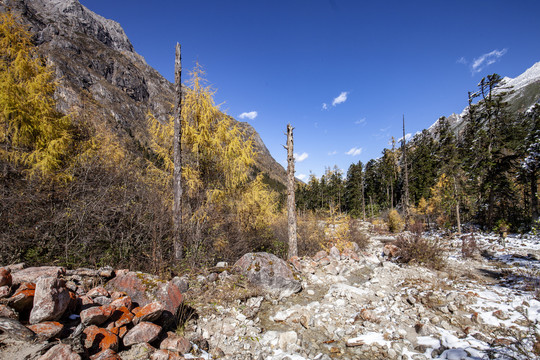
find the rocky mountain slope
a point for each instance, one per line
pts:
(523, 93)
(101, 77)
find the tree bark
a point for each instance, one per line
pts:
(291, 204)
(177, 158)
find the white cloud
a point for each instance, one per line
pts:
(302, 176)
(362, 121)
(462, 60)
(324, 106)
(332, 153)
(340, 99)
(354, 151)
(480, 63)
(299, 158)
(248, 115)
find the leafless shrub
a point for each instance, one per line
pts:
(420, 250)
(468, 246)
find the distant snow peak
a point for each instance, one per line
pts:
(483, 61)
(248, 115)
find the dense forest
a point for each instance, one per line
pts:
(483, 171)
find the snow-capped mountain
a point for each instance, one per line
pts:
(523, 93)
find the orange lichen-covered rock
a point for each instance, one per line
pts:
(122, 316)
(119, 331)
(123, 301)
(142, 332)
(98, 339)
(150, 312)
(23, 299)
(145, 288)
(47, 330)
(5, 277)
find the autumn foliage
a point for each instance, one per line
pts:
(76, 193)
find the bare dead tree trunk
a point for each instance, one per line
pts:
(534, 196)
(458, 218)
(363, 199)
(406, 199)
(177, 158)
(291, 204)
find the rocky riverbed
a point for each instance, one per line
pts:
(353, 304)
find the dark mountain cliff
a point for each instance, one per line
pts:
(101, 77)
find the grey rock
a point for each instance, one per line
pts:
(50, 300)
(269, 272)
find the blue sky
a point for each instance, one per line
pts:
(342, 72)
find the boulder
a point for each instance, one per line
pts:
(124, 301)
(5, 277)
(99, 339)
(97, 291)
(143, 332)
(60, 352)
(94, 316)
(5, 291)
(141, 351)
(166, 355)
(144, 289)
(7, 312)
(175, 343)
(15, 329)
(107, 354)
(268, 272)
(150, 312)
(23, 299)
(32, 274)
(51, 300)
(47, 330)
(122, 316)
(390, 250)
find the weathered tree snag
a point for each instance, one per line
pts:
(177, 157)
(406, 173)
(291, 204)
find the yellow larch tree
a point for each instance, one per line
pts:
(32, 132)
(217, 166)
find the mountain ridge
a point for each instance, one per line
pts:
(525, 92)
(101, 76)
